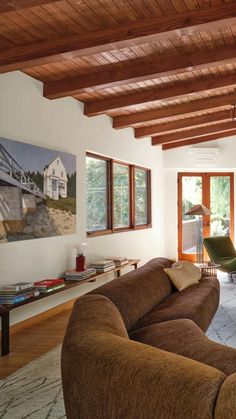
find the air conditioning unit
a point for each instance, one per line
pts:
(204, 156)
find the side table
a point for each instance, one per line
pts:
(210, 270)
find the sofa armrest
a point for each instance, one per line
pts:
(226, 400)
(109, 377)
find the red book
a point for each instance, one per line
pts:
(49, 283)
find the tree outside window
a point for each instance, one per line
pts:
(117, 196)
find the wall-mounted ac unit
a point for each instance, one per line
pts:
(204, 156)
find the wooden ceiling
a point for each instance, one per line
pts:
(167, 68)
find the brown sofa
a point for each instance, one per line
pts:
(135, 349)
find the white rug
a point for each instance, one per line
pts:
(34, 391)
(223, 327)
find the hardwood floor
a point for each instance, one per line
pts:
(34, 341)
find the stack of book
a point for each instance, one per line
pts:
(49, 285)
(119, 260)
(103, 265)
(17, 293)
(79, 276)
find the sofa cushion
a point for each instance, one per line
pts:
(194, 344)
(183, 276)
(138, 291)
(198, 303)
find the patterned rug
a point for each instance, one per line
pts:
(34, 391)
(223, 327)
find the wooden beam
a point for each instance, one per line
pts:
(138, 72)
(161, 28)
(194, 132)
(198, 140)
(148, 130)
(158, 94)
(132, 119)
(11, 5)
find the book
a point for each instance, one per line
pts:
(19, 298)
(119, 261)
(48, 283)
(79, 276)
(104, 263)
(51, 289)
(18, 286)
(106, 269)
(14, 293)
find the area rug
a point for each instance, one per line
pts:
(223, 327)
(34, 391)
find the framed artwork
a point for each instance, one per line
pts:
(37, 192)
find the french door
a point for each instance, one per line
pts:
(216, 192)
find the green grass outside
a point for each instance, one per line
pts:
(63, 204)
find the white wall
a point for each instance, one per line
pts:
(26, 116)
(180, 160)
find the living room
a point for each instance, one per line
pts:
(32, 37)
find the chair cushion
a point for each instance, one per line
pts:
(228, 264)
(194, 344)
(198, 303)
(221, 250)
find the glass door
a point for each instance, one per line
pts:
(220, 206)
(215, 191)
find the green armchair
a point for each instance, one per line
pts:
(221, 251)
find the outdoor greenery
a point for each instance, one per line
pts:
(192, 194)
(63, 204)
(219, 197)
(96, 194)
(121, 195)
(220, 205)
(140, 179)
(97, 185)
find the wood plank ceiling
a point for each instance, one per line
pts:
(167, 68)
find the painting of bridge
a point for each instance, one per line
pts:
(37, 192)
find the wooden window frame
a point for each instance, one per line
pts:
(149, 202)
(206, 199)
(110, 206)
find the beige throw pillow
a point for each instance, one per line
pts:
(181, 276)
(192, 269)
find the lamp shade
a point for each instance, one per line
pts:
(198, 209)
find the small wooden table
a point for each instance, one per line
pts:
(210, 270)
(6, 308)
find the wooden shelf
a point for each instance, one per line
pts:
(6, 308)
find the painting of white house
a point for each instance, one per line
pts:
(37, 192)
(55, 179)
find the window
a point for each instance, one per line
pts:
(61, 185)
(54, 185)
(121, 195)
(97, 194)
(141, 195)
(117, 196)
